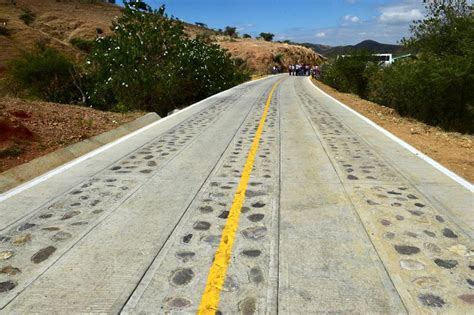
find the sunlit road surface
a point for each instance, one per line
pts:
(268, 198)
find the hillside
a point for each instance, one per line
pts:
(261, 55)
(57, 22)
(29, 129)
(370, 45)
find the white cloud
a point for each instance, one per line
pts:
(385, 25)
(400, 13)
(351, 18)
(242, 27)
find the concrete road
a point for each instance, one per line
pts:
(268, 198)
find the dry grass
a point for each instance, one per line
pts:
(55, 24)
(259, 54)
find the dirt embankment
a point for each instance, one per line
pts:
(260, 55)
(29, 129)
(451, 149)
(54, 24)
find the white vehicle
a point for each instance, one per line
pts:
(385, 59)
(381, 59)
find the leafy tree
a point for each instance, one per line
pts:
(129, 67)
(267, 36)
(436, 88)
(203, 25)
(150, 64)
(448, 29)
(247, 36)
(230, 31)
(436, 91)
(350, 73)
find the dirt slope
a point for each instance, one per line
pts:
(55, 24)
(29, 129)
(59, 21)
(259, 55)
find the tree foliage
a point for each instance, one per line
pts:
(350, 73)
(436, 88)
(150, 64)
(448, 29)
(230, 31)
(267, 36)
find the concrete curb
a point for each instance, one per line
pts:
(22, 173)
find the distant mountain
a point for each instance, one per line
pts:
(370, 45)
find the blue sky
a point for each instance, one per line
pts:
(331, 22)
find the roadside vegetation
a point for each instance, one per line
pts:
(148, 63)
(43, 74)
(436, 86)
(27, 17)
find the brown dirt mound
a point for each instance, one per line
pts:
(12, 131)
(29, 129)
(260, 55)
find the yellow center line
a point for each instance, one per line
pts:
(218, 271)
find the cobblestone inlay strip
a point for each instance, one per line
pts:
(429, 259)
(218, 272)
(33, 244)
(191, 250)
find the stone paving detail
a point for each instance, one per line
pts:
(32, 245)
(426, 261)
(178, 277)
(430, 260)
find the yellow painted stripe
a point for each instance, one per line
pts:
(217, 273)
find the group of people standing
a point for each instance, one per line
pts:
(276, 69)
(304, 70)
(300, 70)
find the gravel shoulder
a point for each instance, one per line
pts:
(30, 129)
(451, 149)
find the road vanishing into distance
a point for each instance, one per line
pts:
(268, 198)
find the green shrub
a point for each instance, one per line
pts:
(150, 64)
(267, 36)
(437, 87)
(27, 16)
(44, 73)
(278, 58)
(82, 44)
(230, 31)
(350, 73)
(433, 90)
(12, 151)
(4, 31)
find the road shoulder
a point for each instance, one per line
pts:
(451, 149)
